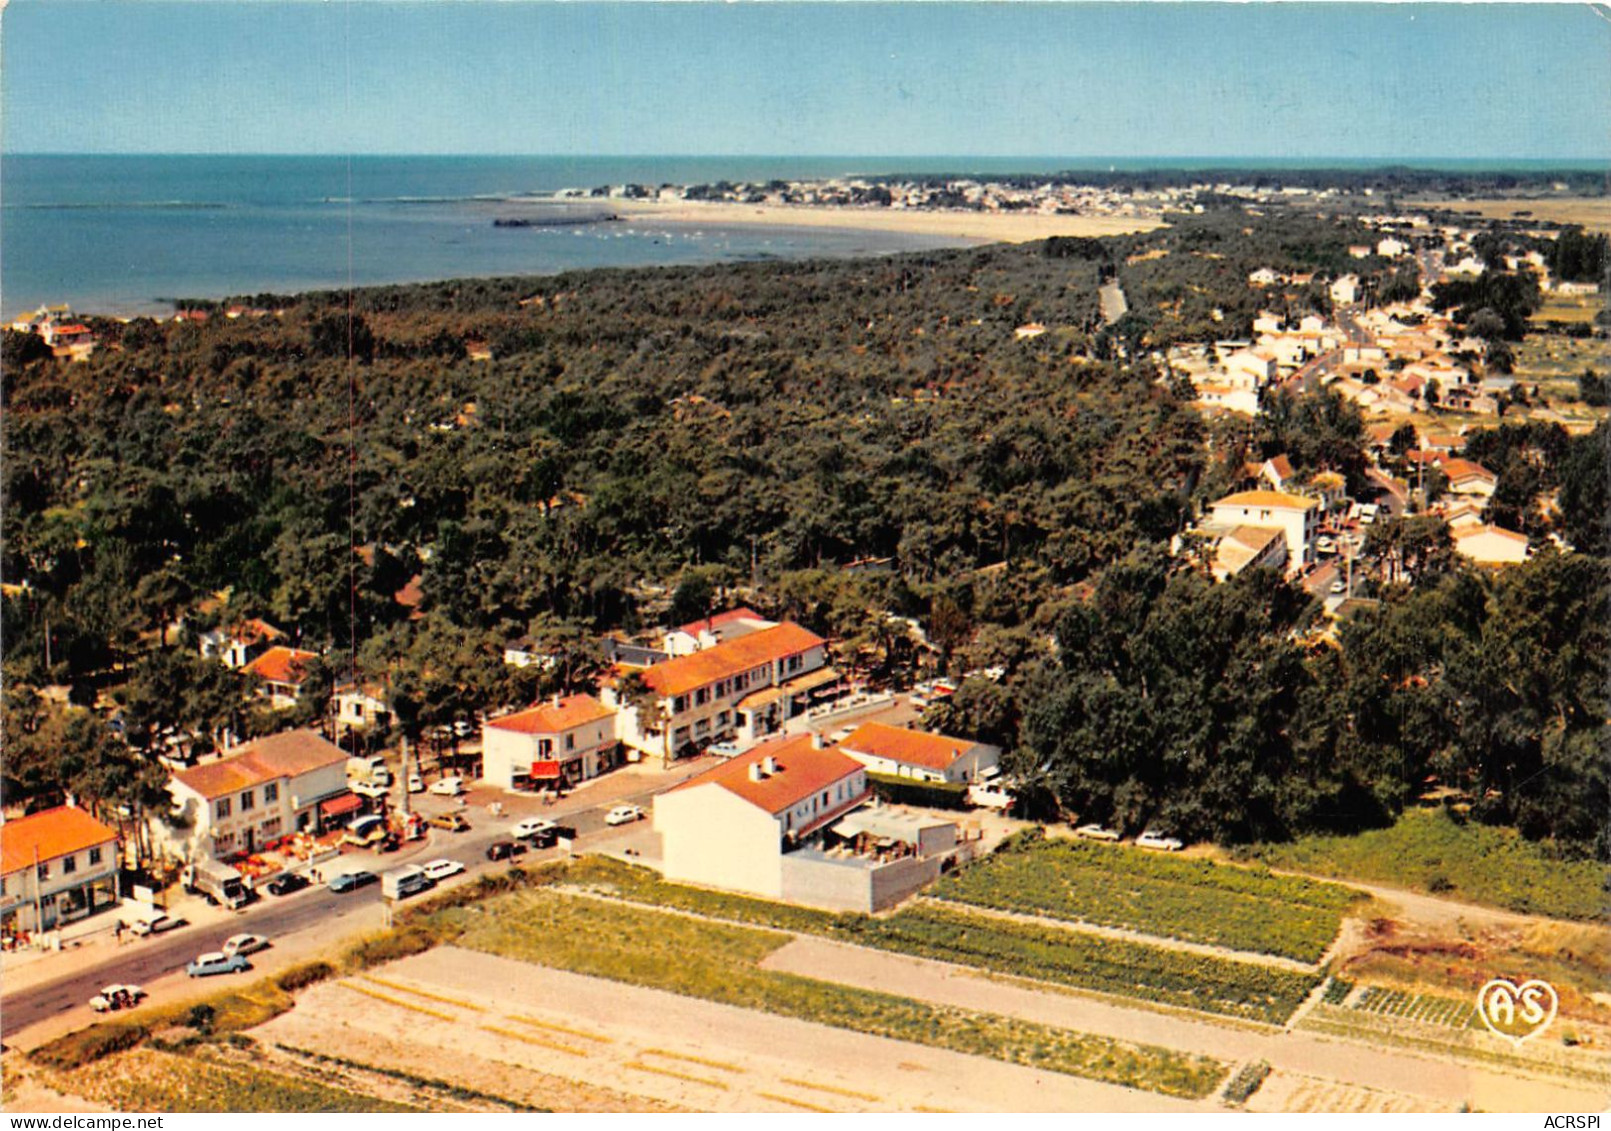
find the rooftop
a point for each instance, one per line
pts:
(283, 755)
(802, 770)
(561, 714)
(281, 664)
(1268, 500)
(682, 674)
(49, 833)
(909, 747)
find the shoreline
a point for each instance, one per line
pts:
(980, 227)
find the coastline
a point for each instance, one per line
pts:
(982, 227)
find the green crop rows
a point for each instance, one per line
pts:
(1050, 953)
(1194, 900)
(1428, 1009)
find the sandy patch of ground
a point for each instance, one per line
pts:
(25, 1092)
(478, 1008)
(989, 227)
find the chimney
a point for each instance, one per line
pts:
(556, 698)
(770, 764)
(756, 772)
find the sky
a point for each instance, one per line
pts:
(1391, 81)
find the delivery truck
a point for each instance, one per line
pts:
(220, 883)
(400, 883)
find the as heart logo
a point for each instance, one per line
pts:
(1517, 1013)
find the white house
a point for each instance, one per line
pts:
(282, 671)
(698, 635)
(1297, 516)
(361, 706)
(745, 688)
(290, 782)
(1467, 477)
(238, 644)
(56, 866)
(728, 826)
(1345, 291)
(569, 739)
(1390, 248)
(914, 754)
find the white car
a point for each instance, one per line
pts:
(441, 869)
(244, 944)
(155, 925)
(530, 827)
(116, 997)
(623, 815)
(1096, 832)
(448, 787)
(416, 784)
(1339, 586)
(373, 790)
(1163, 842)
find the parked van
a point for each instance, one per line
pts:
(404, 882)
(370, 767)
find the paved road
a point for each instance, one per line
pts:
(143, 961)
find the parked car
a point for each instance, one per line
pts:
(244, 944)
(448, 787)
(723, 749)
(530, 827)
(1161, 841)
(216, 962)
(1339, 586)
(1096, 832)
(1325, 545)
(352, 881)
(287, 882)
(623, 815)
(116, 996)
(441, 869)
(365, 831)
(155, 925)
(416, 784)
(373, 790)
(504, 850)
(452, 822)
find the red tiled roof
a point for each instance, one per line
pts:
(553, 718)
(1281, 466)
(281, 664)
(52, 833)
(694, 628)
(682, 674)
(909, 747)
(1457, 469)
(283, 755)
(802, 771)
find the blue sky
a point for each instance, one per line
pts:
(1398, 81)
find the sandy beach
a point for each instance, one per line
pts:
(986, 227)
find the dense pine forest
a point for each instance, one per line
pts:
(563, 456)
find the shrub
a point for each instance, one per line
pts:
(200, 1017)
(307, 974)
(927, 794)
(74, 1050)
(1246, 1082)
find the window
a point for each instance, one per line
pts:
(271, 793)
(69, 865)
(679, 704)
(702, 696)
(358, 710)
(271, 828)
(247, 801)
(570, 742)
(545, 746)
(221, 810)
(94, 857)
(44, 871)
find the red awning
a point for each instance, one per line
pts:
(339, 806)
(546, 770)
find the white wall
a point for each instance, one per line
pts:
(710, 836)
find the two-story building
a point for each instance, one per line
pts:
(743, 689)
(1296, 516)
(567, 740)
(899, 752)
(285, 783)
(729, 826)
(56, 866)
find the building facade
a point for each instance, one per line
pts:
(59, 865)
(568, 740)
(914, 754)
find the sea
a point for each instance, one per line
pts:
(133, 234)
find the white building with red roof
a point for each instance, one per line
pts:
(239, 644)
(728, 826)
(710, 631)
(282, 671)
(567, 740)
(271, 787)
(742, 689)
(56, 866)
(915, 754)
(1296, 516)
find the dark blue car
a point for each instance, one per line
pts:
(352, 881)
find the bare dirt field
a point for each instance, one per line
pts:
(1594, 213)
(988, 227)
(648, 1049)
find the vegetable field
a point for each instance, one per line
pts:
(1252, 992)
(1194, 900)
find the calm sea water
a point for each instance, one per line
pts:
(130, 234)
